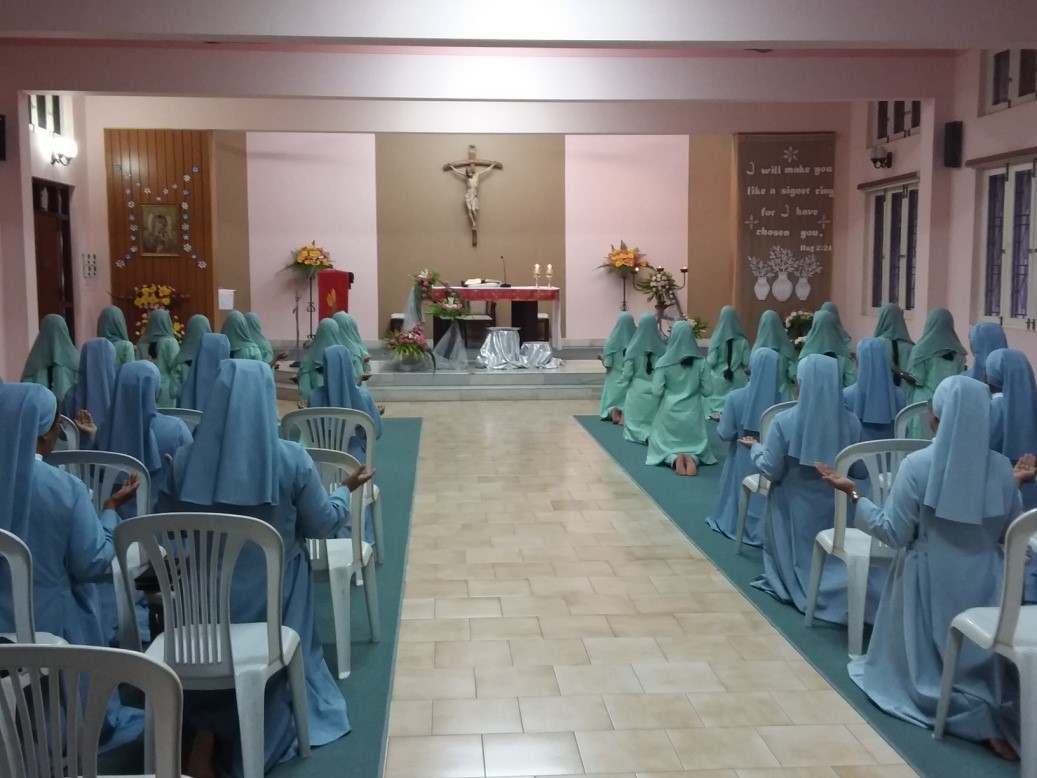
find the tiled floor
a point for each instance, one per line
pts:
(556, 623)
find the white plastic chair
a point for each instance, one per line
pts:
(857, 549)
(188, 416)
(194, 555)
(102, 471)
(19, 562)
(756, 483)
(69, 440)
(1009, 630)
(909, 414)
(344, 558)
(332, 428)
(37, 719)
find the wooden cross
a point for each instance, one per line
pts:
(468, 170)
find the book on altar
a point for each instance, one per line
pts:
(481, 282)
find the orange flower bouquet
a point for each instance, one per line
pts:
(624, 261)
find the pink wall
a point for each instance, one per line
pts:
(624, 187)
(303, 187)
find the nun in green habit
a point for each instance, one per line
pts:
(255, 328)
(613, 393)
(728, 358)
(159, 344)
(646, 348)
(53, 361)
(111, 325)
(683, 381)
(892, 330)
(236, 328)
(826, 337)
(833, 309)
(197, 326)
(311, 367)
(937, 355)
(771, 334)
(349, 334)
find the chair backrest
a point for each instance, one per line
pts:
(194, 555)
(50, 724)
(1017, 539)
(909, 414)
(882, 460)
(333, 467)
(102, 471)
(188, 416)
(69, 438)
(19, 561)
(328, 428)
(768, 416)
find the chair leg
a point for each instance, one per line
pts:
(950, 662)
(1027, 665)
(817, 566)
(149, 736)
(856, 600)
(300, 706)
(340, 607)
(248, 689)
(371, 593)
(743, 508)
(379, 537)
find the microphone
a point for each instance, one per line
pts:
(505, 284)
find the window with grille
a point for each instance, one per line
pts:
(893, 119)
(893, 242)
(1009, 78)
(45, 112)
(1008, 202)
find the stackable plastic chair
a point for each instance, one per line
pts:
(69, 440)
(756, 483)
(102, 471)
(1009, 630)
(345, 557)
(909, 414)
(50, 729)
(857, 549)
(194, 555)
(19, 562)
(188, 416)
(331, 428)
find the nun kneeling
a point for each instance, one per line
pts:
(645, 350)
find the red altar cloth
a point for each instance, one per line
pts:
(332, 292)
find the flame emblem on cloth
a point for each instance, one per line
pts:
(332, 300)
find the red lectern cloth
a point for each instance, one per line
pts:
(332, 292)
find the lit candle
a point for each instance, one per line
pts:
(549, 269)
(536, 269)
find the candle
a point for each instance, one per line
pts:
(536, 269)
(549, 269)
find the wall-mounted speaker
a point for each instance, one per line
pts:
(953, 137)
(3, 137)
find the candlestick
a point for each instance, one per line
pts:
(536, 279)
(549, 269)
(536, 269)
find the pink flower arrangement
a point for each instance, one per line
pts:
(408, 344)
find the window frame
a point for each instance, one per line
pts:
(883, 117)
(906, 264)
(53, 118)
(989, 87)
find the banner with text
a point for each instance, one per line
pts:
(786, 194)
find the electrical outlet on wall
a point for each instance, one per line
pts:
(89, 265)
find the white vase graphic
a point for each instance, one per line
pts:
(803, 288)
(782, 287)
(762, 288)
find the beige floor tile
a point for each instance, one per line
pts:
(457, 756)
(560, 586)
(499, 587)
(473, 653)
(575, 626)
(808, 675)
(418, 608)
(696, 648)
(718, 747)
(515, 681)
(756, 676)
(741, 709)
(641, 625)
(535, 605)
(638, 750)
(415, 656)
(585, 568)
(432, 630)
(879, 749)
(651, 711)
(433, 684)
(631, 584)
(622, 650)
(475, 717)
(742, 623)
(468, 608)
(564, 714)
(802, 746)
(500, 629)
(597, 679)
(658, 677)
(817, 707)
(599, 604)
(410, 718)
(540, 754)
(756, 648)
(875, 771)
(545, 652)
(788, 772)
(706, 581)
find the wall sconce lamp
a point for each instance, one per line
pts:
(62, 150)
(881, 158)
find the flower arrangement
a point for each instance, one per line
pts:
(808, 266)
(698, 326)
(782, 260)
(659, 285)
(624, 261)
(760, 268)
(142, 324)
(424, 281)
(148, 297)
(408, 344)
(310, 259)
(451, 306)
(797, 326)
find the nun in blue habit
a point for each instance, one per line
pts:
(833, 309)
(984, 337)
(237, 464)
(800, 503)
(93, 391)
(948, 511)
(613, 392)
(728, 357)
(828, 337)
(645, 349)
(1013, 410)
(197, 326)
(311, 367)
(771, 334)
(51, 511)
(891, 329)
(874, 399)
(739, 419)
(159, 344)
(53, 361)
(937, 355)
(212, 350)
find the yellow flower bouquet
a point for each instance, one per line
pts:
(310, 259)
(624, 260)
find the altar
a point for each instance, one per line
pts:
(524, 306)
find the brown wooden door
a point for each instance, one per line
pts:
(53, 252)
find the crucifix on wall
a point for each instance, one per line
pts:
(469, 171)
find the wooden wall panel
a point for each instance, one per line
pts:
(148, 167)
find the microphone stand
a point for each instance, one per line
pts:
(505, 284)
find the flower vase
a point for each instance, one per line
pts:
(762, 288)
(782, 287)
(803, 288)
(410, 364)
